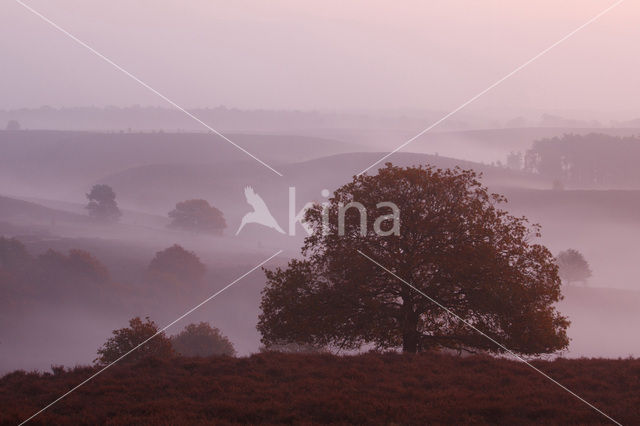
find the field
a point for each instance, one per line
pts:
(370, 388)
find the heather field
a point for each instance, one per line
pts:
(305, 389)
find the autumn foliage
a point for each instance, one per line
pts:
(456, 246)
(140, 340)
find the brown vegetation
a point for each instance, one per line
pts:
(293, 388)
(457, 246)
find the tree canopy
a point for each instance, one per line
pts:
(455, 244)
(178, 264)
(202, 340)
(52, 275)
(197, 215)
(573, 266)
(125, 339)
(102, 204)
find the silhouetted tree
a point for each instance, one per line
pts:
(455, 245)
(178, 264)
(573, 266)
(102, 204)
(197, 215)
(126, 339)
(13, 125)
(202, 340)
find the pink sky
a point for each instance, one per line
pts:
(325, 54)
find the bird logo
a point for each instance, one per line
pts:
(260, 213)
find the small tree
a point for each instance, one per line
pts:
(573, 266)
(126, 339)
(13, 125)
(202, 340)
(178, 264)
(102, 204)
(197, 215)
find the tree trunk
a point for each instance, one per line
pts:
(410, 335)
(410, 342)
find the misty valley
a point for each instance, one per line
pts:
(101, 229)
(301, 213)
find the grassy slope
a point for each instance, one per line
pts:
(24, 211)
(370, 388)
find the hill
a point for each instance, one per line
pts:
(272, 388)
(38, 162)
(485, 145)
(159, 186)
(19, 211)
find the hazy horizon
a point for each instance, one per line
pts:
(361, 56)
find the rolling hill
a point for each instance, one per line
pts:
(41, 162)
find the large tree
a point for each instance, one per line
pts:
(455, 245)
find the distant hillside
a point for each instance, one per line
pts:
(276, 388)
(621, 206)
(34, 162)
(20, 212)
(60, 164)
(159, 186)
(485, 145)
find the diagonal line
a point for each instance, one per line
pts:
(162, 330)
(468, 324)
(498, 82)
(142, 83)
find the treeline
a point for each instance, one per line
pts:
(593, 160)
(50, 276)
(77, 276)
(372, 388)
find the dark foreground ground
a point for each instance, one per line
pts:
(369, 388)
